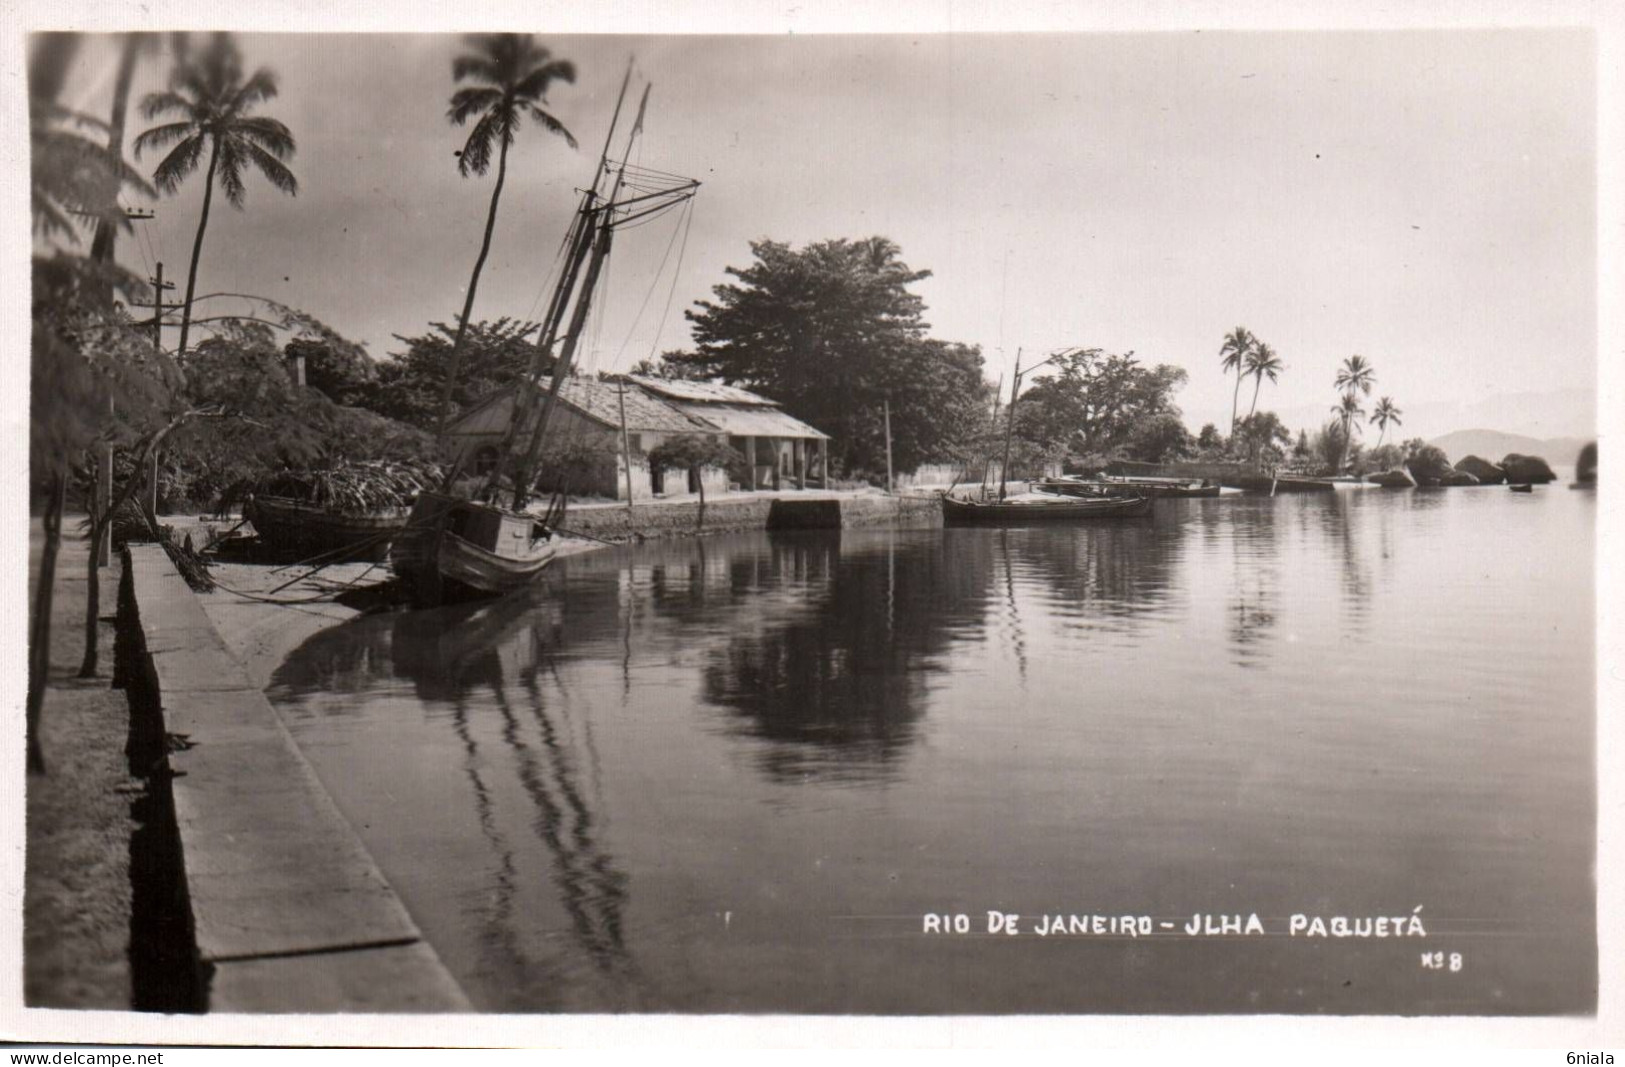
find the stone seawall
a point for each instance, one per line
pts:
(288, 911)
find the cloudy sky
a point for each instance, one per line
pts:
(1424, 198)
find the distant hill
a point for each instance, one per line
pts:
(1493, 445)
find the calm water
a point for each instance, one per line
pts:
(735, 774)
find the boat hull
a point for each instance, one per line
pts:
(294, 526)
(1158, 489)
(969, 512)
(440, 564)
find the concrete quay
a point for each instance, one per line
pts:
(288, 911)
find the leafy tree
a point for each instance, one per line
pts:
(1355, 375)
(1301, 450)
(672, 365)
(1095, 402)
(1382, 458)
(1262, 362)
(1264, 438)
(693, 452)
(1159, 439)
(1209, 440)
(512, 75)
(345, 374)
(1385, 413)
(213, 102)
(1232, 357)
(406, 386)
(1330, 446)
(832, 332)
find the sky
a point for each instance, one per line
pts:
(1423, 198)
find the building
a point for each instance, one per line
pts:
(587, 424)
(781, 450)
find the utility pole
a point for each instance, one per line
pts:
(1010, 425)
(887, 403)
(158, 308)
(626, 442)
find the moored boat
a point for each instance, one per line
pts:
(455, 549)
(1016, 512)
(295, 526)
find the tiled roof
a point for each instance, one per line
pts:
(701, 392)
(750, 421)
(600, 400)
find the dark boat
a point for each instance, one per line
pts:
(957, 512)
(1162, 488)
(294, 526)
(1524, 487)
(1263, 483)
(455, 549)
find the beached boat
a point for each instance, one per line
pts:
(1162, 488)
(454, 548)
(293, 526)
(1523, 487)
(1016, 512)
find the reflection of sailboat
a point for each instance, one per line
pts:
(452, 548)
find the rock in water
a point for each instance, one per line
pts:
(1585, 467)
(1486, 472)
(1398, 478)
(1458, 477)
(1527, 470)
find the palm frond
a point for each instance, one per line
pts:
(261, 86)
(179, 164)
(476, 157)
(155, 104)
(267, 133)
(229, 170)
(273, 169)
(477, 67)
(159, 136)
(465, 103)
(534, 85)
(551, 124)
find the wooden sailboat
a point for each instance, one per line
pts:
(454, 548)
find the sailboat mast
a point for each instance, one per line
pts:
(605, 225)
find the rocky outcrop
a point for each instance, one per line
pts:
(1398, 478)
(1458, 477)
(1527, 470)
(1585, 467)
(1486, 472)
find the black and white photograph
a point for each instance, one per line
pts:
(532, 520)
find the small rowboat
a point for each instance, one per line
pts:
(1014, 512)
(294, 526)
(1522, 488)
(1153, 487)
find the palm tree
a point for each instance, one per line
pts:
(1384, 413)
(214, 102)
(1356, 375)
(1232, 354)
(1261, 362)
(1348, 409)
(514, 74)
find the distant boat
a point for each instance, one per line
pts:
(957, 512)
(1524, 487)
(1286, 483)
(1176, 488)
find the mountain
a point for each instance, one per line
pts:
(1494, 444)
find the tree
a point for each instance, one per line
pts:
(1355, 375)
(214, 103)
(1301, 450)
(1384, 413)
(1348, 410)
(77, 356)
(1095, 402)
(512, 75)
(1161, 438)
(1264, 437)
(692, 452)
(1262, 362)
(407, 385)
(1209, 440)
(832, 333)
(1232, 356)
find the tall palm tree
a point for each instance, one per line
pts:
(1262, 362)
(213, 102)
(1232, 354)
(512, 75)
(1384, 413)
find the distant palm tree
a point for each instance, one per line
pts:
(515, 74)
(213, 100)
(1384, 413)
(1356, 375)
(1232, 354)
(1348, 409)
(1262, 362)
